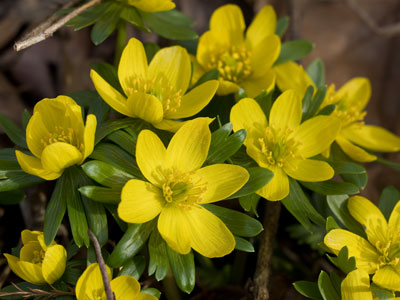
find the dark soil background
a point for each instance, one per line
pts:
(349, 45)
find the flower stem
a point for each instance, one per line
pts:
(121, 42)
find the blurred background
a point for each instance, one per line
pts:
(352, 37)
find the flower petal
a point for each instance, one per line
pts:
(209, 235)
(277, 188)
(27, 251)
(309, 170)
(146, 107)
(228, 20)
(54, 262)
(227, 87)
(27, 271)
(353, 151)
(172, 63)
(367, 258)
(388, 278)
(372, 137)
(110, 95)
(152, 5)
(262, 26)
(151, 157)
(145, 296)
(173, 126)
(132, 65)
(286, 112)
(188, 148)
(89, 135)
(195, 100)
(197, 71)
(264, 54)
(247, 114)
(356, 286)
(90, 283)
(394, 222)
(222, 180)
(316, 134)
(174, 228)
(36, 131)
(370, 216)
(125, 287)
(255, 85)
(33, 166)
(210, 44)
(30, 236)
(355, 93)
(58, 156)
(140, 202)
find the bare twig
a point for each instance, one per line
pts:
(48, 28)
(262, 273)
(100, 260)
(36, 293)
(386, 31)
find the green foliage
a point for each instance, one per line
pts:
(388, 200)
(308, 289)
(294, 50)
(282, 25)
(343, 261)
(158, 262)
(133, 267)
(316, 70)
(182, 266)
(259, 177)
(210, 75)
(311, 108)
(327, 287)
(16, 135)
(331, 187)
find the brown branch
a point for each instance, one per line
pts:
(103, 270)
(36, 293)
(262, 273)
(49, 27)
(386, 31)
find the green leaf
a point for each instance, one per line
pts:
(16, 135)
(55, 210)
(315, 103)
(158, 262)
(308, 289)
(327, 110)
(223, 145)
(151, 50)
(106, 174)
(307, 99)
(294, 50)
(106, 24)
(391, 164)
(11, 197)
(17, 179)
(243, 245)
(130, 14)
(249, 203)
(92, 101)
(183, 268)
(26, 116)
(101, 194)
(71, 275)
(89, 16)
(112, 125)
(388, 200)
(112, 209)
(259, 177)
(134, 267)
(115, 156)
(152, 291)
(109, 74)
(382, 293)
(343, 261)
(209, 75)
(281, 26)
(124, 140)
(170, 24)
(345, 167)
(359, 180)
(316, 70)
(330, 187)
(300, 207)
(265, 101)
(238, 223)
(331, 224)
(338, 205)
(326, 288)
(130, 243)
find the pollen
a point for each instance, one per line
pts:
(233, 63)
(387, 257)
(38, 256)
(159, 87)
(349, 115)
(61, 134)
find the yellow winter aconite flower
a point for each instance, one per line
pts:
(38, 263)
(152, 5)
(350, 100)
(177, 187)
(283, 145)
(90, 286)
(241, 61)
(155, 93)
(380, 255)
(57, 138)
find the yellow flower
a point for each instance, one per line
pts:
(155, 92)
(283, 145)
(152, 6)
(38, 263)
(350, 100)
(381, 253)
(178, 186)
(90, 286)
(57, 138)
(241, 61)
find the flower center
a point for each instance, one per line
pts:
(349, 115)
(233, 64)
(160, 88)
(389, 255)
(61, 134)
(38, 256)
(278, 146)
(182, 189)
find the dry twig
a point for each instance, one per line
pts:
(36, 293)
(48, 28)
